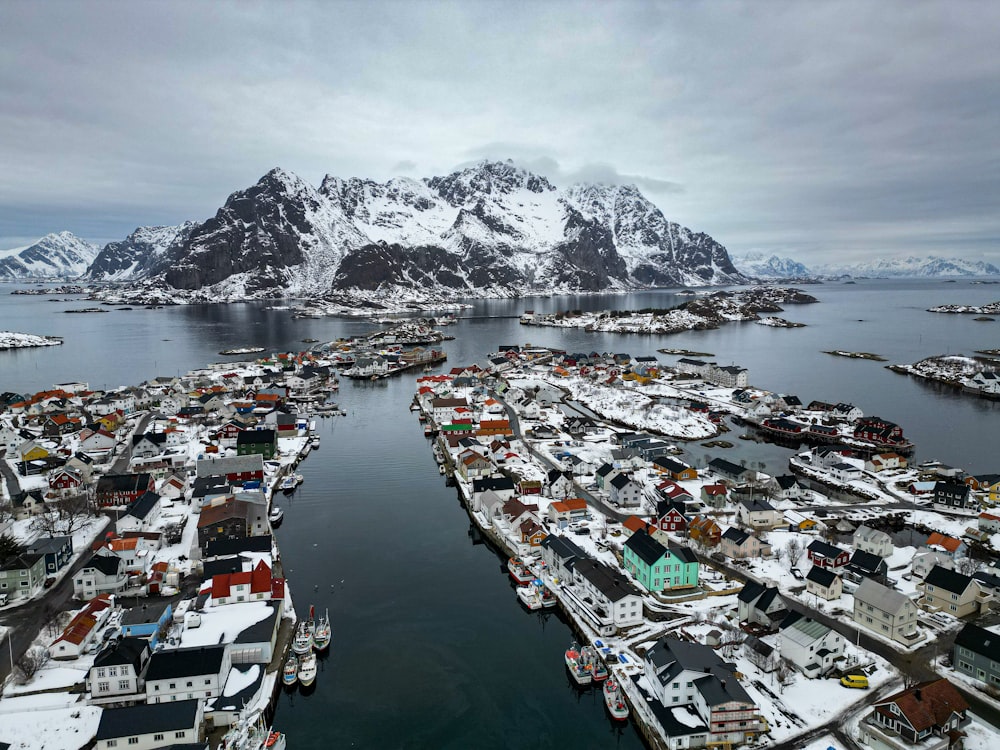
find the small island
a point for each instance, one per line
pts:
(705, 312)
(12, 340)
(685, 353)
(775, 322)
(973, 375)
(856, 355)
(242, 350)
(993, 308)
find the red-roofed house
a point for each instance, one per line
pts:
(928, 715)
(83, 629)
(246, 586)
(949, 545)
(562, 513)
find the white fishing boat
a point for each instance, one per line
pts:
(599, 670)
(307, 670)
(615, 700)
(529, 597)
(287, 485)
(275, 516)
(323, 633)
(314, 442)
(303, 642)
(290, 674)
(249, 732)
(579, 673)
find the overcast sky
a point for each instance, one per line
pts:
(815, 130)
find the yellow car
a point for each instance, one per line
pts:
(854, 681)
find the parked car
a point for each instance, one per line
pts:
(854, 681)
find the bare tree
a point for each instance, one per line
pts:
(731, 641)
(64, 516)
(31, 661)
(966, 566)
(784, 672)
(794, 550)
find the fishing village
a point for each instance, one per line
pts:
(712, 604)
(153, 508)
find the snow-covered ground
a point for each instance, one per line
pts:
(48, 722)
(12, 340)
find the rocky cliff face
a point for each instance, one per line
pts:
(490, 229)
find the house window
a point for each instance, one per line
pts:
(133, 740)
(190, 683)
(112, 743)
(123, 684)
(172, 685)
(954, 597)
(112, 671)
(179, 735)
(103, 687)
(208, 681)
(675, 699)
(100, 672)
(158, 736)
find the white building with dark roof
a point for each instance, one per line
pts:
(146, 727)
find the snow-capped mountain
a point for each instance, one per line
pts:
(492, 229)
(136, 255)
(61, 255)
(911, 266)
(762, 266)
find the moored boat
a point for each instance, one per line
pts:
(615, 700)
(303, 642)
(287, 485)
(275, 516)
(307, 670)
(290, 674)
(529, 597)
(579, 673)
(249, 732)
(547, 597)
(323, 634)
(519, 571)
(599, 671)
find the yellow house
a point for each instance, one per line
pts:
(111, 422)
(32, 451)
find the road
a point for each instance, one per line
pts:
(27, 620)
(120, 466)
(592, 501)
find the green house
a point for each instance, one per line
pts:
(659, 568)
(264, 442)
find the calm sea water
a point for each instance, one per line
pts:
(431, 648)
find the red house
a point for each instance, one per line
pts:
(670, 517)
(829, 556)
(64, 480)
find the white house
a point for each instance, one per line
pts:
(103, 573)
(145, 727)
(617, 603)
(886, 611)
(116, 675)
(625, 492)
(187, 673)
(873, 541)
(810, 646)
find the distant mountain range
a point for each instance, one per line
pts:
(760, 266)
(492, 229)
(62, 255)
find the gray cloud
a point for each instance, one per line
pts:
(814, 129)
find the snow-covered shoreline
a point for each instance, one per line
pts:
(14, 340)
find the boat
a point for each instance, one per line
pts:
(548, 598)
(275, 516)
(307, 670)
(529, 597)
(299, 479)
(290, 674)
(599, 671)
(579, 672)
(287, 485)
(322, 634)
(615, 700)
(303, 642)
(314, 442)
(249, 732)
(519, 571)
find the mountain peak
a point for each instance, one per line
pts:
(486, 178)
